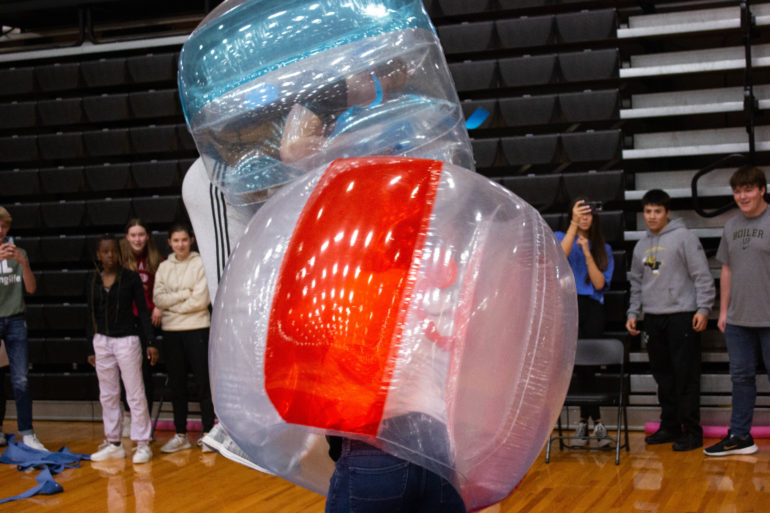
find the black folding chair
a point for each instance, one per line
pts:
(603, 385)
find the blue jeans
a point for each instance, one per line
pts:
(368, 480)
(13, 330)
(742, 348)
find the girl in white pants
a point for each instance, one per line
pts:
(112, 294)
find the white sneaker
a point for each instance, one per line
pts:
(600, 434)
(109, 451)
(178, 443)
(32, 441)
(581, 435)
(126, 432)
(142, 453)
(203, 446)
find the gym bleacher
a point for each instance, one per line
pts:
(582, 99)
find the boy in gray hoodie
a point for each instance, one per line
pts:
(671, 283)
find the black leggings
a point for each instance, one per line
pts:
(590, 325)
(183, 348)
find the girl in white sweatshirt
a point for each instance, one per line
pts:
(180, 292)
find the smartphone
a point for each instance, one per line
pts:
(596, 206)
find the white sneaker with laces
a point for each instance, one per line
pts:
(581, 433)
(178, 443)
(142, 454)
(109, 451)
(600, 434)
(126, 432)
(32, 441)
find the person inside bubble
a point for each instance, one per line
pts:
(298, 118)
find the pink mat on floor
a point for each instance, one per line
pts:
(713, 431)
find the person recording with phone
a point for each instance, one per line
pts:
(590, 258)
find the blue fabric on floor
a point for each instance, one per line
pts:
(25, 458)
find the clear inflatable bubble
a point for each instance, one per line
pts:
(408, 303)
(274, 88)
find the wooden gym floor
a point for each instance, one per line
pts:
(648, 479)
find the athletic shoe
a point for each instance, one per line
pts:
(178, 443)
(142, 454)
(732, 444)
(32, 441)
(600, 434)
(581, 435)
(3, 440)
(662, 436)
(126, 432)
(203, 446)
(109, 451)
(688, 442)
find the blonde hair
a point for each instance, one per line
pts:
(5, 216)
(154, 258)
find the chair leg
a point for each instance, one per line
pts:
(625, 417)
(561, 435)
(548, 449)
(160, 407)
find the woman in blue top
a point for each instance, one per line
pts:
(592, 264)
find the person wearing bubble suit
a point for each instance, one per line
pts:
(434, 349)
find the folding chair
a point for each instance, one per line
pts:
(606, 387)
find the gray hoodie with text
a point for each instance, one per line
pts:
(670, 273)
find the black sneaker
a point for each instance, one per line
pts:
(662, 436)
(688, 442)
(732, 444)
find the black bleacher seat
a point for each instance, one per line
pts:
(489, 106)
(66, 350)
(62, 180)
(485, 151)
(17, 81)
(58, 76)
(186, 141)
(540, 191)
(466, 37)
(62, 214)
(589, 65)
(161, 210)
(18, 148)
(66, 316)
(31, 245)
(155, 104)
(591, 146)
(106, 107)
(161, 242)
(63, 283)
(525, 32)
(151, 67)
(61, 145)
(615, 308)
(528, 110)
(36, 350)
(155, 174)
(59, 386)
(605, 186)
(619, 273)
(61, 111)
(522, 4)
(19, 182)
(612, 225)
(589, 105)
(184, 165)
(17, 115)
(26, 216)
(530, 149)
(35, 317)
(593, 25)
(528, 70)
(455, 7)
(154, 139)
(474, 75)
(108, 177)
(63, 249)
(107, 141)
(108, 211)
(104, 72)
(556, 221)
